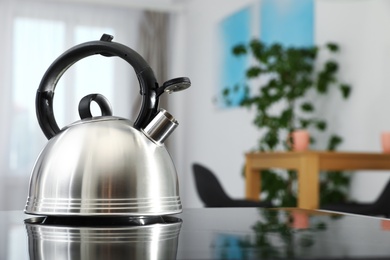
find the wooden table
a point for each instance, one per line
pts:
(308, 165)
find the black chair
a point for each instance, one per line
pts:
(380, 207)
(213, 195)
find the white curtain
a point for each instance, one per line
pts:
(153, 46)
(34, 34)
(153, 41)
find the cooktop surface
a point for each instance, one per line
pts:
(208, 233)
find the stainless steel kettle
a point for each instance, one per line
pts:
(105, 165)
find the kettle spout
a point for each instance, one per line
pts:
(161, 126)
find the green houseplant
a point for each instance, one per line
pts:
(290, 81)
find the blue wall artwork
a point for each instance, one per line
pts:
(234, 30)
(288, 22)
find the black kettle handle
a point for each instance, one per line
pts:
(147, 81)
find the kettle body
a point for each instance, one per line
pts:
(87, 170)
(105, 165)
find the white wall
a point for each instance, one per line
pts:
(360, 27)
(219, 138)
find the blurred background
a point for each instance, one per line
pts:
(186, 38)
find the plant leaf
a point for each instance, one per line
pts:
(307, 107)
(225, 91)
(333, 47)
(321, 125)
(345, 90)
(253, 72)
(239, 50)
(334, 141)
(331, 67)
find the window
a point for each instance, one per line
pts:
(28, 67)
(49, 39)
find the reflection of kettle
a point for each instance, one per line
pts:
(157, 238)
(105, 165)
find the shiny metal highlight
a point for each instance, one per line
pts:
(161, 126)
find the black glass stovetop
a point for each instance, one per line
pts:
(208, 233)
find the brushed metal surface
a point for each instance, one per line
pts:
(103, 166)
